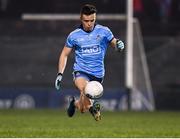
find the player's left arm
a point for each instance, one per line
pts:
(117, 44)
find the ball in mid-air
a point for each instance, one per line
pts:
(94, 90)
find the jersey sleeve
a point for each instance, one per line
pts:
(69, 41)
(109, 34)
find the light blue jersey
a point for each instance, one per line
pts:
(90, 49)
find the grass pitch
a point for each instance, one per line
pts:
(55, 123)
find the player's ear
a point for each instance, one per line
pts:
(80, 16)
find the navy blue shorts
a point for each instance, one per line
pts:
(87, 76)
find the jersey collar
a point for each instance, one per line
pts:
(81, 27)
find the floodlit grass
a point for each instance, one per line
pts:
(55, 123)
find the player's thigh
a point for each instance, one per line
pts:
(81, 83)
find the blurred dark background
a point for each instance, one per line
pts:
(160, 24)
(157, 17)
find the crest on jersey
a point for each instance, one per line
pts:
(98, 37)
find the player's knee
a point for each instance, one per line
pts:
(81, 89)
(80, 84)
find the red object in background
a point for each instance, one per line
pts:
(138, 6)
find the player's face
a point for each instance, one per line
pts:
(88, 21)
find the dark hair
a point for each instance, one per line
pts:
(88, 9)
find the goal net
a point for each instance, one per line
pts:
(141, 93)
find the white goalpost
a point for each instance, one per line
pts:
(129, 51)
(129, 44)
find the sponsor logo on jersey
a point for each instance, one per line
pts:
(90, 50)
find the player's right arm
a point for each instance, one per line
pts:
(62, 65)
(63, 59)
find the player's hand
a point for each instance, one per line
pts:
(58, 81)
(119, 45)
